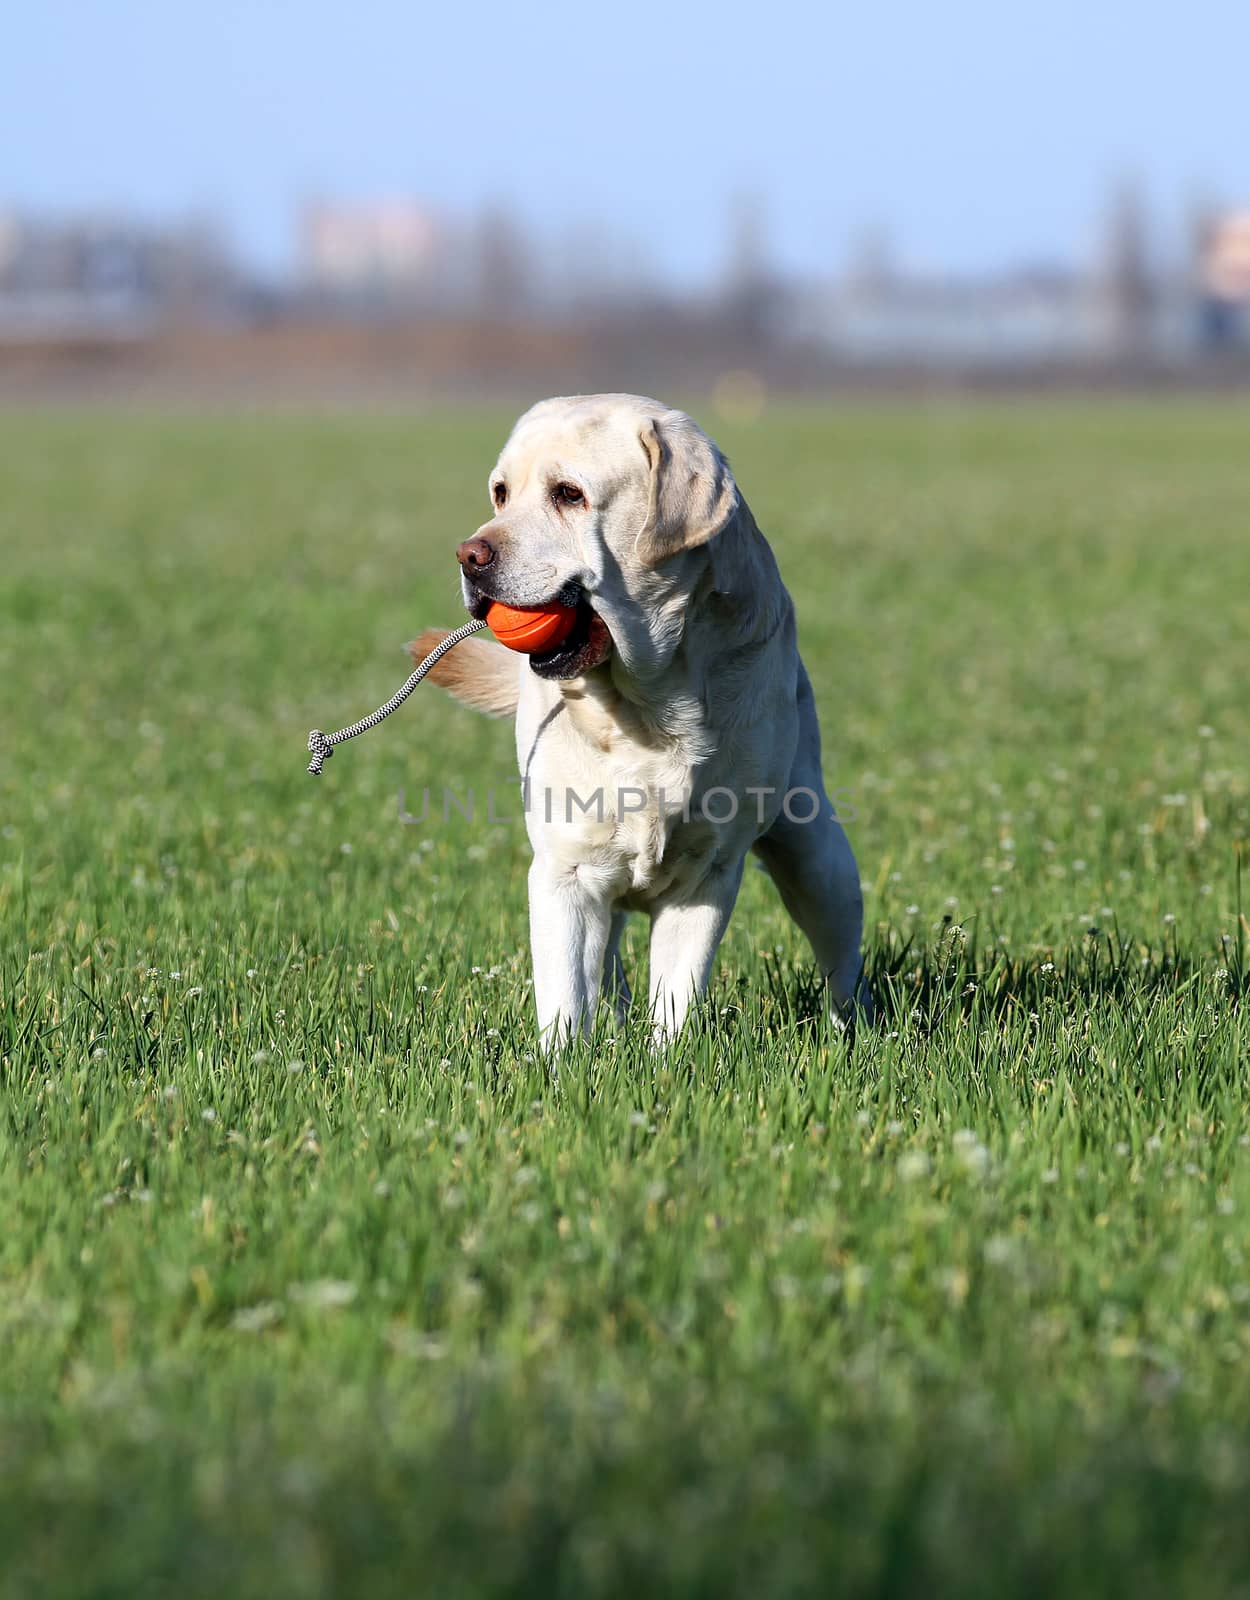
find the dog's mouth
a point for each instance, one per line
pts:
(588, 645)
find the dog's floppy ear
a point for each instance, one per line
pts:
(692, 492)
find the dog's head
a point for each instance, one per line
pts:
(604, 502)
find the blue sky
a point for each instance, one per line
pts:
(978, 132)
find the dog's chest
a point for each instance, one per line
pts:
(623, 818)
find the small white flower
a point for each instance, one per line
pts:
(971, 1153)
(912, 1166)
(255, 1319)
(325, 1294)
(208, 1114)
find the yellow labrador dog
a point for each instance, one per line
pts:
(674, 730)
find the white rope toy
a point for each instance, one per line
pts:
(321, 745)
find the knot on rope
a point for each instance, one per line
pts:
(320, 749)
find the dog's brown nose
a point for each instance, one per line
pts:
(475, 554)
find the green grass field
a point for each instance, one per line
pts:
(314, 1282)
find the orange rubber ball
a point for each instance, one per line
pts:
(530, 630)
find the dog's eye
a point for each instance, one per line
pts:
(568, 494)
(500, 492)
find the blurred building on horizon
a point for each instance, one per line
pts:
(389, 253)
(108, 273)
(479, 298)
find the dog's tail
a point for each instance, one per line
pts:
(478, 671)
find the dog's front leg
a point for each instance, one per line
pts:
(569, 929)
(615, 983)
(685, 933)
